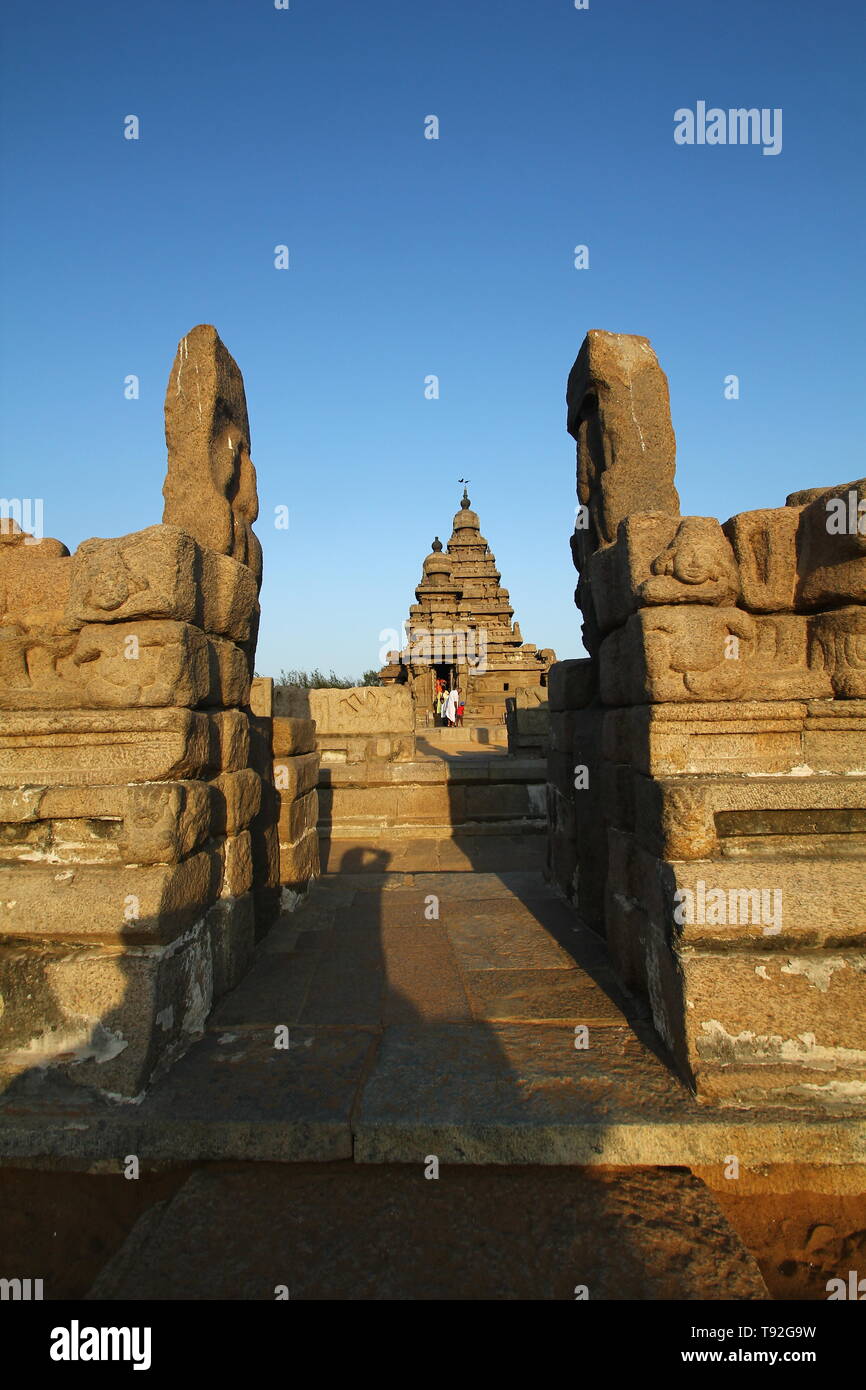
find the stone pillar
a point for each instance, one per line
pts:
(134, 790)
(719, 835)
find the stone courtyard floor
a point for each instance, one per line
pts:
(398, 1018)
(396, 1015)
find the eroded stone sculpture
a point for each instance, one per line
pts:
(210, 487)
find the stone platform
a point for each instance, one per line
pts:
(424, 1013)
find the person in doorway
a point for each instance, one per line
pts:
(439, 702)
(450, 710)
(460, 712)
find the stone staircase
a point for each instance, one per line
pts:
(462, 809)
(472, 736)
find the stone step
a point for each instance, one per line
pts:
(486, 734)
(470, 813)
(470, 767)
(338, 1232)
(401, 849)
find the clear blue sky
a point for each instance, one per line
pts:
(411, 256)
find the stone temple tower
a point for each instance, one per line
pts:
(461, 629)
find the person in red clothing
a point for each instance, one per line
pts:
(460, 708)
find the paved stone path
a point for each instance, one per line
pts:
(422, 1013)
(425, 1016)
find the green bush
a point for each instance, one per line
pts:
(317, 680)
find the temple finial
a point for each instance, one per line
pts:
(437, 544)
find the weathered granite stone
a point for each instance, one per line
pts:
(34, 582)
(700, 817)
(160, 573)
(147, 664)
(237, 865)
(571, 684)
(732, 766)
(765, 547)
(135, 754)
(838, 646)
(696, 566)
(165, 821)
(13, 537)
(299, 816)
(831, 545)
(81, 747)
(707, 653)
(299, 862)
(210, 487)
(87, 902)
(108, 1018)
(295, 776)
(238, 800)
(658, 559)
(619, 413)
(361, 709)
(232, 928)
(293, 736)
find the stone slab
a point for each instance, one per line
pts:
(422, 979)
(359, 710)
(361, 854)
(294, 776)
(758, 739)
(570, 996)
(335, 1233)
(233, 1096)
(299, 862)
(294, 736)
(348, 984)
(74, 748)
(521, 1093)
(88, 902)
(485, 941)
(160, 573)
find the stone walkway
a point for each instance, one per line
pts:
(337, 1231)
(427, 1019)
(423, 1013)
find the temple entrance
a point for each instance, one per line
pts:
(463, 614)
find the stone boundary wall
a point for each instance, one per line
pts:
(707, 765)
(139, 850)
(358, 724)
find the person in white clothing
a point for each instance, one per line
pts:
(450, 710)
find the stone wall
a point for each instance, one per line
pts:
(139, 852)
(296, 773)
(360, 724)
(527, 719)
(707, 769)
